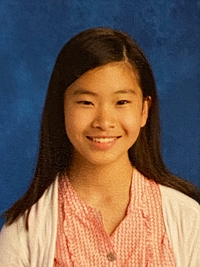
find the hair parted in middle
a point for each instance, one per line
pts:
(87, 50)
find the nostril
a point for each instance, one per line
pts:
(102, 123)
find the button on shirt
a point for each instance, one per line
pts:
(140, 240)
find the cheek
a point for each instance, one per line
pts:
(69, 122)
(75, 123)
(131, 120)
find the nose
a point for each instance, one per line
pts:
(104, 119)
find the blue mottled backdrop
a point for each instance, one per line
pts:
(33, 32)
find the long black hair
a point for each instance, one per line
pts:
(87, 50)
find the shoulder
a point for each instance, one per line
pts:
(179, 202)
(179, 210)
(182, 221)
(46, 204)
(43, 215)
(16, 242)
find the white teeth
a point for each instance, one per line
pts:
(103, 140)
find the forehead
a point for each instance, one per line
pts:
(108, 78)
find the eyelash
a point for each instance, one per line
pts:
(123, 102)
(88, 103)
(85, 102)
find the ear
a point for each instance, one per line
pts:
(145, 110)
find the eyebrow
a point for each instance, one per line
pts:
(125, 91)
(84, 92)
(87, 92)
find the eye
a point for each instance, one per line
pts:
(85, 102)
(122, 102)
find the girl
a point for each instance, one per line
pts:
(101, 194)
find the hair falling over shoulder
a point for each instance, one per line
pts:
(90, 49)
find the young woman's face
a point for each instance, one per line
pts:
(104, 111)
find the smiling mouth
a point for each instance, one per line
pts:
(103, 139)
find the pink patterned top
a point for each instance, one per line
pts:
(140, 240)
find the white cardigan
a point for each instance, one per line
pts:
(36, 247)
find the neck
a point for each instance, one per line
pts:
(101, 178)
(104, 187)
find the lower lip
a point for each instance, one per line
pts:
(102, 146)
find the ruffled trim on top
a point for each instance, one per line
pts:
(140, 239)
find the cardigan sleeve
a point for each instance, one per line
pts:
(14, 245)
(182, 221)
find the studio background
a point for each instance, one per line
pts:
(32, 34)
